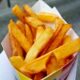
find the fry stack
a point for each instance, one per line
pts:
(38, 49)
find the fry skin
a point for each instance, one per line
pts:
(40, 43)
(59, 37)
(19, 13)
(23, 41)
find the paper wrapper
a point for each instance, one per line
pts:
(61, 74)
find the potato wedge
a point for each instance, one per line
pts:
(59, 37)
(47, 17)
(19, 13)
(23, 41)
(39, 44)
(29, 34)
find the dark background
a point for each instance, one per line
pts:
(69, 9)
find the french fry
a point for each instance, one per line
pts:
(67, 39)
(39, 44)
(53, 65)
(37, 65)
(34, 22)
(58, 26)
(47, 17)
(59, 37)
(29, 11)
(17, 61)
(39, 76)
(19, 13)
(23, 41)
(39, 32)
(29, 34)
(21, 26)
(67, 49)
(16, 48)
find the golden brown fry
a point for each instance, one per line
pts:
(19, 13)
(17, 61)
(33, 22)
(53, 65)
(67, 39)
(37, 65)
(23, 41)
(58, 26)
(21, 26)
(47, 17)
(39, 32)
(16, 48)
(39, 44)
(59, 37)
(67, 49)
(29, 34)
(29, 11)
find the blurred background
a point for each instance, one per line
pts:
(69, 9)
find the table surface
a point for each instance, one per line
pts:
(69, 9)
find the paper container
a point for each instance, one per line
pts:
(61, 74)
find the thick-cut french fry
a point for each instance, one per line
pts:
(39, 32)
(17, 61)
(67, 39)
(39, 76)
(19, 13)
(16, 48)
(33, 22)
(29, 34)
(47, 17)
(39, 44)
(37, 65)
(67, 49)
(21, 26)
(53, 65)
(23, 41)
(58, 26)
(29, 11)
(59, 37)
